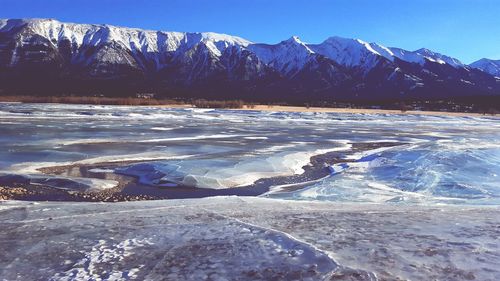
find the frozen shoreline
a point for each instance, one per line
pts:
(288, 108)
(247, 239)
(298, 109)
(313, 168)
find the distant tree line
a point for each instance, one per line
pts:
(88, 100)
(489, 105)
(201, 103)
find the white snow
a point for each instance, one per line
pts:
(288, 56)
(422, 55)
(350, 52)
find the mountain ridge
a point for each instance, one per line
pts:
(134, 60)
(488, 65)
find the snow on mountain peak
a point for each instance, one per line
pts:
(180, 58)
(422, 55)
(489, 66)
(297, 44)
(217, 42)
(383, 51)
(294, 40)
(288, 56)
(348, 52)
(229, 39)
(130, 38)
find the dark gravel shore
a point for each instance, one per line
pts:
(44, 193)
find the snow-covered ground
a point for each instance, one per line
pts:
(233, 238)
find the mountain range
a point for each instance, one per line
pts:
(47, 57)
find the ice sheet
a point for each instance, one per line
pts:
(223, 174)
(247, 239)
(443, 159)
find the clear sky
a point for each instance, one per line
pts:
(466, 29)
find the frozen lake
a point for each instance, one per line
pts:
(245, 238)
(342, 196)
(378, 158)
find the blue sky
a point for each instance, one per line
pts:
(466, 29)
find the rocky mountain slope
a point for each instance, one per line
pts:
(46, 57)
(490, 66)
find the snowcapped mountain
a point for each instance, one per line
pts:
(423, 55)
(130, 38)
(355, 52)
(81, 37)
(288, 57)
(350, 52)
(47, 56)
(490, 66)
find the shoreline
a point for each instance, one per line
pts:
(287, 108)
